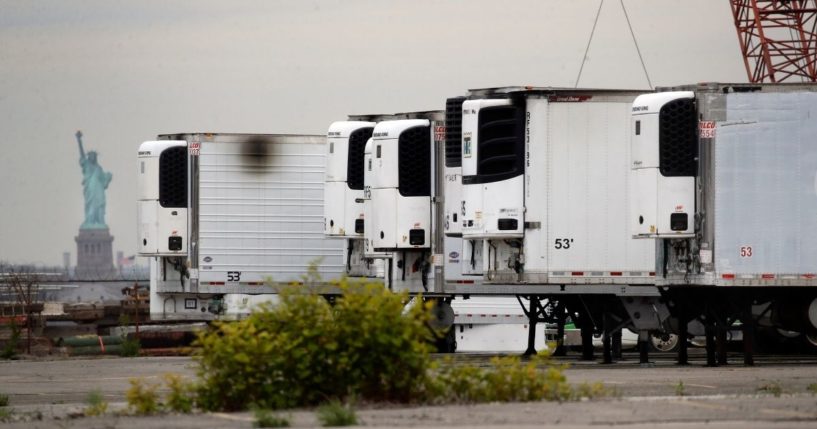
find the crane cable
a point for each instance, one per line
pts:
(590, 41)
(637, 49)
(587, 49)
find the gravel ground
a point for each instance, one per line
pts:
(733, 396)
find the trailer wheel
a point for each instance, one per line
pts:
(448, 342)
(663, 342)
(810, 343)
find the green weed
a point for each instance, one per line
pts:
(9, 350)
(269, 419)
(774, 388)
(181, 396)
(680, 389)
(334, 413)
(142, 397)
(6, 414)
(96, 404)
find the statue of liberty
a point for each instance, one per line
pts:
(94, 183)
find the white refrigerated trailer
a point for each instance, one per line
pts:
(542, 207)
(226, 219)
(726, 185)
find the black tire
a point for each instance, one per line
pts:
(448, 342)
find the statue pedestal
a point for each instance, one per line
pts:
(95, 254)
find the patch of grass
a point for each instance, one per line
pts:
(680, 389)
(4, 400)
(774, 388)
(812, 388)
(142, 397)
(269, 419)
(96, 404)
(334, 413)
(181, 396)
(5, 414)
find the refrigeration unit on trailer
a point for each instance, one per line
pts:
(226, 219)
(344, 193)
(726, 178)
(463, 257)
(404, 214)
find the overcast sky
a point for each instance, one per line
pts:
(124, 72)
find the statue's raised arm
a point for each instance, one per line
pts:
(81, 150)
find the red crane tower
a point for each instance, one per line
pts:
(778, 39)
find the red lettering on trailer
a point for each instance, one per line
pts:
(577, 273)
(767, 276)
(808, 276)
(439, 133)
(569, 98)
(706, 129)
(194, 148)
(615, 273)
(728, 276)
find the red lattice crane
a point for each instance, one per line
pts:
(778, 39)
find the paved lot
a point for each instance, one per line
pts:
(723, 397)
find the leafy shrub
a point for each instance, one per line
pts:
(181, 396)
(130, 347)
(335, 413)
(97, 405)
(142, 397)
(507, 379)
(812, 388)
(268, 419)
(4, 399)
(302, 351)
(10, 348)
